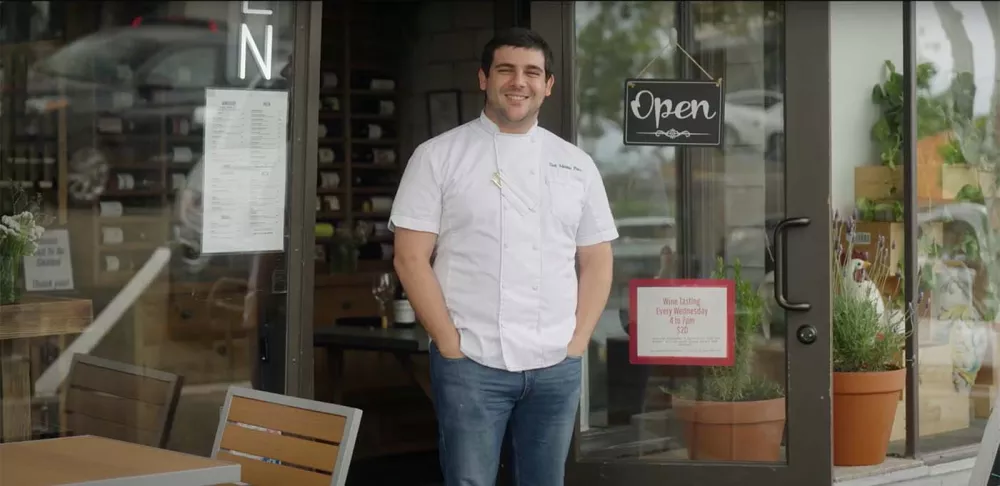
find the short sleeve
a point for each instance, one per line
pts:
(417, 205)
(597, 224)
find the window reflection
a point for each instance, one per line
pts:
(958, 250)
(103, 125)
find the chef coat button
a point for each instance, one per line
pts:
(534, 287)
(534, 247)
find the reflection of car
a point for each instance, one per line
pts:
(129, 79)
(754, 117)
(137, 74)
(637, 250)
(641, 239)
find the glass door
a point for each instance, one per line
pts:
(756, 203)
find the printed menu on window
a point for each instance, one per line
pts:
(245, 171)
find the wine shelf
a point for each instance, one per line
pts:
(360, 124)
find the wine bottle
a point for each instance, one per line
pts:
(111, 124)
(374, 131)
(372, 81)
(384, 156)
(365, 156)
(330, 80)
(373, 180)
(375, 156)
(374, 107)
(331, 103)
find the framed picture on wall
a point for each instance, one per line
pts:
(444, 110)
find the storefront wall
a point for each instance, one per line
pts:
(120, 199)
(181, 276)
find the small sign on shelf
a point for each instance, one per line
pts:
(682, 322)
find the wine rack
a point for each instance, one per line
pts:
(131, 215)
(360, 123)
(32, 133)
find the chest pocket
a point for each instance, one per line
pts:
(566, 196)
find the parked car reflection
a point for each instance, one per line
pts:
(756, 117)
(126, 81)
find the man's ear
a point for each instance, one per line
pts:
(549, 83)
(482, 80)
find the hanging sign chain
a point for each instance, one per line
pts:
(718, 82)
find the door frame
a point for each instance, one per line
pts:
(806, 189)
(302, 170)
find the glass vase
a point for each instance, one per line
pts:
(10, 267)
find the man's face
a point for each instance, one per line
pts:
(516, 86)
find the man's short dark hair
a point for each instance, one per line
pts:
(516, 37)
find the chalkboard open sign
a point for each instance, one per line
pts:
(673, 112)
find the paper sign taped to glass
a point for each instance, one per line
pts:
(682, 322)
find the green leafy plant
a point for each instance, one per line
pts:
(887, 211)
(951, 152)
(970, 193)
(19, 235)
(863, 339)
(887, 131)
(736, 383)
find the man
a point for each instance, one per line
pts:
(509, 207)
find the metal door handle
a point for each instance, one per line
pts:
(779, 264)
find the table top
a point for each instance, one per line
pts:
(92, 461)
(413, 339)
(37, 315)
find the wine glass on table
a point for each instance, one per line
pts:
(384, 288)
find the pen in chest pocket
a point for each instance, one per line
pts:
(512, 193)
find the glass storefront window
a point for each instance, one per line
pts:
(730, 200)
(105, 125)
(959, 271)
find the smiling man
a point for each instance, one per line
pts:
(509, 208)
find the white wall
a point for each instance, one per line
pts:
(863, 35)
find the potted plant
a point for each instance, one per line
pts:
(868, 370)
(735, 414)
(19, 234)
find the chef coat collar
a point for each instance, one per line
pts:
(493, 129)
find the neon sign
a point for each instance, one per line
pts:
(247, 42)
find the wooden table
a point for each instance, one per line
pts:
(34, 316)
(96, 461)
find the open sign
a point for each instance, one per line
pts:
(673, 112)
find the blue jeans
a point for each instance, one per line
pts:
(474, 404)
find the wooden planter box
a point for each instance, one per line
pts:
(878, 183)
(941, 408)
(867, 235)
(955, 177)
(936, 182)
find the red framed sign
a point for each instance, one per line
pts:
(682, 322)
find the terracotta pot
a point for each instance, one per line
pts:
(864, 408)
(733, 431)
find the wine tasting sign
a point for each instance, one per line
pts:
(673, 112)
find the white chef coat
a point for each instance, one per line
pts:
(506, 252)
